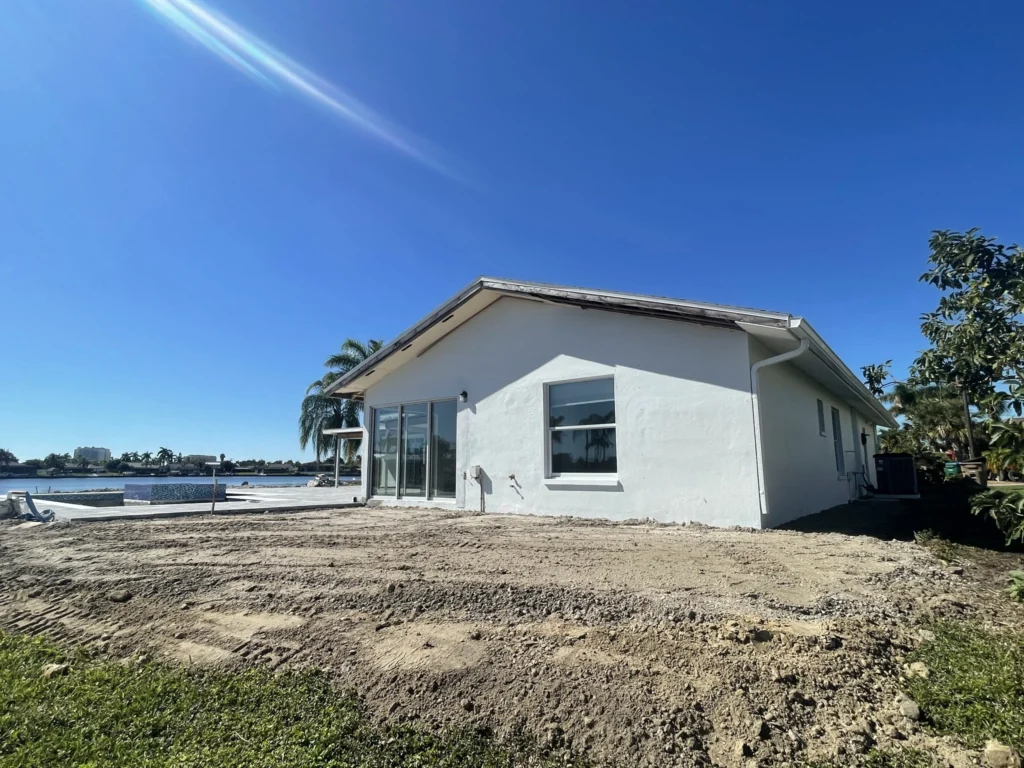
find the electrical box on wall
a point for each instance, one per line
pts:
(474, 471)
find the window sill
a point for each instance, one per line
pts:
(417, 499)
(577, 481)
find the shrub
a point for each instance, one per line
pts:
(1016, 589)
(1006, 508)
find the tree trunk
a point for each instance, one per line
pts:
(970, 426)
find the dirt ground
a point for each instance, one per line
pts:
(636, 644)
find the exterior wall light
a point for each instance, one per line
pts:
(463, 396)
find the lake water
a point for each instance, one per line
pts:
(49, 484)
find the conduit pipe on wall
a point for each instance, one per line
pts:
(755, 381)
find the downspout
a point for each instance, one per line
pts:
(755, 381)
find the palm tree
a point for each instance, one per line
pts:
(320, 412)
(178, 459)
(165, 456)
(147, 459)
(7, 458)
(83, 463)
(933, 416)
(133, 456)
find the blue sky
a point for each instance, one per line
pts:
(186, 231)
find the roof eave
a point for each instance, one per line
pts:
(802, 329)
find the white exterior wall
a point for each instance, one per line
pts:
(799, 463)
(684, 428)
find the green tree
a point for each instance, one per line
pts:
(146, 458)
(112, 465)
(83, 463)
(931, 416)
(36, 463)
(55, 461)
(165, 456)
(976, 333)
(319, 412)
(7, 458)
(875, 377)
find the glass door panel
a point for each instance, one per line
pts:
(385, 451)
(442, 449)
(414, 450)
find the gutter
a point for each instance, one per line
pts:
(803, 330)
(755, 383)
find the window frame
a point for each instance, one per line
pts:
(582, 477)
(821, 418)
(837, 442)
(428, 465)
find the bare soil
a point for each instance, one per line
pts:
(634, 644)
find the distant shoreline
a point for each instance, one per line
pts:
(97, 475)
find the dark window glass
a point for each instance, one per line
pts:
(837, 442)
(581, 403)
(582, 450)
(442, 449)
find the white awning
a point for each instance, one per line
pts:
(345, 432)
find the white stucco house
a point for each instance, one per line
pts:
(541, 399)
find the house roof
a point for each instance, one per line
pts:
(776, 330)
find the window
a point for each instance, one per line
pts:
(581, 427)
(385, 451)
(442, 449)
(821, 418)
(414, 450)
(837, 442)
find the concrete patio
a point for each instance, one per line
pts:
(240, 501)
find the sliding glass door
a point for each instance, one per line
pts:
(414, 450)
(385, 451)
(442, 449)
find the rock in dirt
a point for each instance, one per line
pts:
(741, 749)
(54, 670)
(119, 596)
(999, 755)
(909, 709)
(918, 669)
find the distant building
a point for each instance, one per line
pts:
(194, 458)
(98, 455)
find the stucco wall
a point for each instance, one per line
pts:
(800, 465)
(684, 429)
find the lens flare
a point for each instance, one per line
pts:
(269, 67)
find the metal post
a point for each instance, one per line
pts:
(213, 504)
(337, 458)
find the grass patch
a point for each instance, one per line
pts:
(900, 757)
(976, 687)
(102, 713)
(945, 550)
